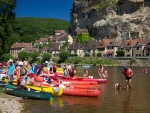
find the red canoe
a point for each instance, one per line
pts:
(71, 86)
(40, 79)
(84, 79)
(81, 92)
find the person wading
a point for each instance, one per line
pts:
(128, 75)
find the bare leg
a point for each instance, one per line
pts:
(130, 84)
(127, 84)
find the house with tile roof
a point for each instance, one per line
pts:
(55, 49)
(138, 48)
(76, 48)
(127, 47)
(146, 50)
(101, 46)
(60, 32)
(18, 47)
(112, 47)
(91, 48)
(45, 49)
(41, 41)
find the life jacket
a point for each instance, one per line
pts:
(71, 72)
(127, 73)
(15, 72)
(45, 70)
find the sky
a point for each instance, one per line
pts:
(44, 8)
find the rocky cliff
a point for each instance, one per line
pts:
(125, 19)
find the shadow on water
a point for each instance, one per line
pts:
(110, 100)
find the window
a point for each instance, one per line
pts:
(112, 47)
(128, 50)
(137, 48)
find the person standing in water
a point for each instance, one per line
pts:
(102, 72)
(128, 75)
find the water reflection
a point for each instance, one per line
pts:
(127, 105)
(110, 100)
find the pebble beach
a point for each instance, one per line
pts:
(10, 104)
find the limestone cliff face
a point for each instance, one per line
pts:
(112, 19)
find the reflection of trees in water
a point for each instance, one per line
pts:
(127, 102)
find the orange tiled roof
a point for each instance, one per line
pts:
(21, 45)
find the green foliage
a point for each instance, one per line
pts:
(88, 60)
(87, 54)
(31, 29)
(65, 44)
(99, 54)
(73, 55)
(108, 4)
(83, 38)
(7, 18)
(6, 57)
(34, 56)
(23, 55)
(63, 55)
(46, 57)
(132, 60)
(120, 53)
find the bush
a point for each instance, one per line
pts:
(99, 54)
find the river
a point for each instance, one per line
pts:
(110, 101)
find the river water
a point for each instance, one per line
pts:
(110, 101)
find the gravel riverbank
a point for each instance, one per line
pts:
(10, 104)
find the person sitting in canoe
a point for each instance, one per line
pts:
(85, 74)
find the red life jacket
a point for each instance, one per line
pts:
(127, 73)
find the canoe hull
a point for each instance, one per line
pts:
(27, 94)
(80, 92)
(54, 91)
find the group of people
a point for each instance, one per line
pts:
(102, 72)
(23, 70)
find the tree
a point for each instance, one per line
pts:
(120, 53)
(23, 55)
(6, 57)
(34, 56)
(83, 38)
(46, 57)
(63, 55)
(7, 18)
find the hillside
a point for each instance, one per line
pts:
(126, 19)
(30, 29)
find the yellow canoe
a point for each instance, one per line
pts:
(55, 91)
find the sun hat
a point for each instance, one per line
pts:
(46, 62)
(10, 60)
(20, 63)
